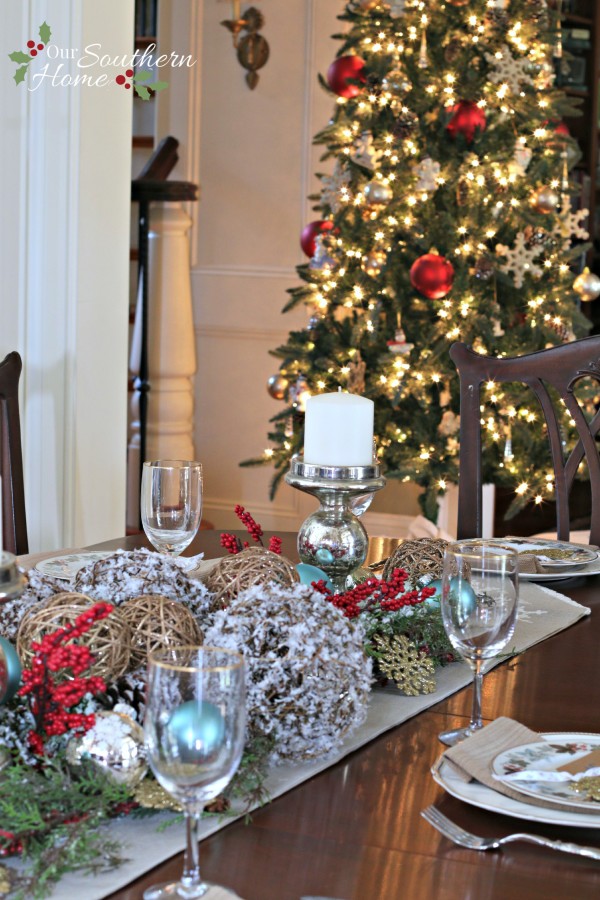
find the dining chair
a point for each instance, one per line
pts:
(552, 375)
(14, 521)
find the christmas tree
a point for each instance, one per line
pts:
(449, 213)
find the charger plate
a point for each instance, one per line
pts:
(548, 756)
(476, 794)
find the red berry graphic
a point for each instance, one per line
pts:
(127, 86)
(33, 52)
(120, 79)
(40, 46)
(129, 73)
(30, 44)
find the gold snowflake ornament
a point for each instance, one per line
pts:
(399, 659)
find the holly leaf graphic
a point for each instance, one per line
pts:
(159, 85)
(19, 57)
(20, 74)
(45, 33)
(142, 91)
(142, 76)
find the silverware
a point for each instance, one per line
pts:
(465, 839)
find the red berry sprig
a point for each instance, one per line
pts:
(253, 528)
(232, 544)
(52, 701)
(372, 594)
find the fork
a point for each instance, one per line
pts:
(465, 839)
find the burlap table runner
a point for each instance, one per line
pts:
(473, 757)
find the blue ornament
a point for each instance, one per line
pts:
(10, 671)
(197, 728)
(324, 556)
(467, 598)
(309, 573)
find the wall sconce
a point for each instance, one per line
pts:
(252, 48)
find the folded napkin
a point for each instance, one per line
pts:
(219, 893)
(529, 564)
(420, 527)
(473, 757)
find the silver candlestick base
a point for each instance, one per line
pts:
(332, 537)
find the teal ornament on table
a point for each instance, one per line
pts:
(10, 671)
(309, 573)
(198, 730)
(467, 598)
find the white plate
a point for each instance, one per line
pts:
(574, 557)
(479, 795)
(548, 756)
(66, 567)
(591, 568)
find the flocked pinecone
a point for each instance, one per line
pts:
(129, 689)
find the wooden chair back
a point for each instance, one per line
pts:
(559, 368)
(14, 521)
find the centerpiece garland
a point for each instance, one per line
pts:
(62, 763)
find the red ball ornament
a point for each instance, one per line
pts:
(466, 119)
(343, 68)
(562, 128)
(310, 232)
(432, 275)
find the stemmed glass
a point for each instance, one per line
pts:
(171, 503)
(480, 589)
(194, 733)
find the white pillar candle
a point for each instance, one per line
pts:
(338, 430)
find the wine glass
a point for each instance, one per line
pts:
(171, 503)
(480, 590)
(194, 734)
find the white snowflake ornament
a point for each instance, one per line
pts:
(519, 259)
(509, 72)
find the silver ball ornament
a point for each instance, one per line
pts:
(587, 285)
(277, 386)
(545, 200)
(115, 745)
(377, 194)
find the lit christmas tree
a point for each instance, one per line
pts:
(447, 216)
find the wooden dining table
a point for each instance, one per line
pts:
(354, 832)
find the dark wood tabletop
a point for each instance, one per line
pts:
(354, 832)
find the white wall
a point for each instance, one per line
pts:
(252, 154)
(65, 157)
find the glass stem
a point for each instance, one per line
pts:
(476, 722)
(191, 864)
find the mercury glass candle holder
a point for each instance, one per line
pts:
(12, 580)
(333, 537)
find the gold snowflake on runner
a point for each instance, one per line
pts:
(519, 259)
(399, 659)
(570, 225)
(506, 69)
(334, 190)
